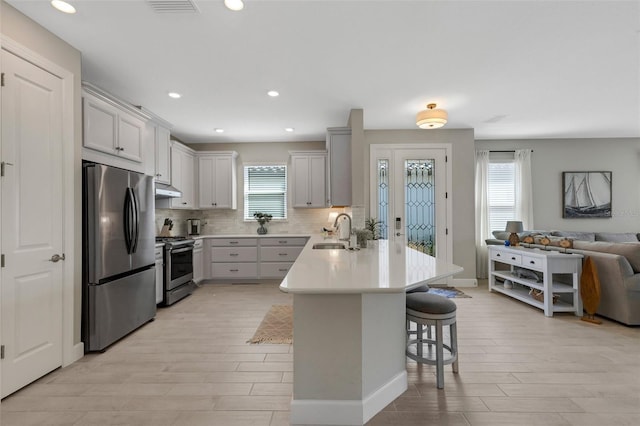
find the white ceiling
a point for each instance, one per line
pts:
(508, 69)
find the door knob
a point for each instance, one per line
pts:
(56, 258)
(398, 234)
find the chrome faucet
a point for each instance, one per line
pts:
(335, 224)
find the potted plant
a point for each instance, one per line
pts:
(262, 218)
(374, 226)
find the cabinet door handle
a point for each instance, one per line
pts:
(497, 254)
(282, 242)
(233, 254)
(282, 270)
(533, 262)
(282, 254)
(233, 270)
(513, 258)
(158, 175)
(184, 202)
(233, 242)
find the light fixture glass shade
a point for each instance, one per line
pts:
(514, 226)
(234, 5)
(431, 118)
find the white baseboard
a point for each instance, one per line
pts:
(347, 412)
(75, 354)
(464, 282)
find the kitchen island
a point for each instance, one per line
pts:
(349, 328)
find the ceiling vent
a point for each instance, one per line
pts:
(173, 6)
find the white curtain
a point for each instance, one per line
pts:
(482, 212)
(524, 188)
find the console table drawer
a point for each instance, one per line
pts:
(511, 258)
(533, 263)
(234, 254)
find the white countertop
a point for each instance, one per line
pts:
(382, 267)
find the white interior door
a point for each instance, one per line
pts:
(409, 189)
(31, 222)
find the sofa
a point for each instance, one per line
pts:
(617, 260)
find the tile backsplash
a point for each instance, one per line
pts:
(220, 222)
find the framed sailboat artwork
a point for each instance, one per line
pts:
(586, 194)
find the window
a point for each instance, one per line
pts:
(502, 193)
(265, 190)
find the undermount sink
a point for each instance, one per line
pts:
(328, 246)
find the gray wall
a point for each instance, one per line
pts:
(553, 156)
(26, 32)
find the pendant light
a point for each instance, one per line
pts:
(431, 118)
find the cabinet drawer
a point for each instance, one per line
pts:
(511, 258)
(234, 254)
(274, 241)
(234, 270)
(233, 242)
(533, 262)
(274, 269)
(279, 254)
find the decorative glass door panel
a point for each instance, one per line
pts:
(409, 197)
(419, 205)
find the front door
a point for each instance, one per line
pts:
(409, 197)
(32, 223)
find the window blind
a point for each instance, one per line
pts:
(502, 194)
(265, 190)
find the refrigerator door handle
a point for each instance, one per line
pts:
(136, 221)
(127, 220)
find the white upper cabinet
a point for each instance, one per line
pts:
(183, 175)
(308, 179)
(339, 166)
(112, 129)
(217, 180)
(163, 155)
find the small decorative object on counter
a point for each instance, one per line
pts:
(375, 226)
(362, 235)
(262, 218)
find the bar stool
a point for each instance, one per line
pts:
(427, 311)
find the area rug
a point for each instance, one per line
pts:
(448, 292)
(276, 326)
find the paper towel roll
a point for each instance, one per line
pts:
(343, 228)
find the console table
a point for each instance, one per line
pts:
(506, 262)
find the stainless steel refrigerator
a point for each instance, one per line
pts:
(118, 254)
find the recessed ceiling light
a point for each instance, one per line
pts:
(289, 129)
(63, 6)
(219, 130)
(174, 95)
(273, 93)
(234, 5)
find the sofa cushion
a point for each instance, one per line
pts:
(584, 236)
(629, 250)
(617, 237)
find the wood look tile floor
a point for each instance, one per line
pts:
(191, 366)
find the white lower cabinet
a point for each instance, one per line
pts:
(234, 258)
(278, 254)
(159, 252)
(252, 259)
(198, 261)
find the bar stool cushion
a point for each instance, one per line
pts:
(421, 289)
(430, 303)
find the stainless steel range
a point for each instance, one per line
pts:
(178, 268)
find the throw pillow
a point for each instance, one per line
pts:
(617, 237)
(629, 250)
(583, 236)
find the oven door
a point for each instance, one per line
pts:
(180, 267)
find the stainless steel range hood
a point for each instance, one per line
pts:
(167, 191)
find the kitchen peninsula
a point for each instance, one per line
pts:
(349, 328)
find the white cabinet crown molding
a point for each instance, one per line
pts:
(113, 100)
